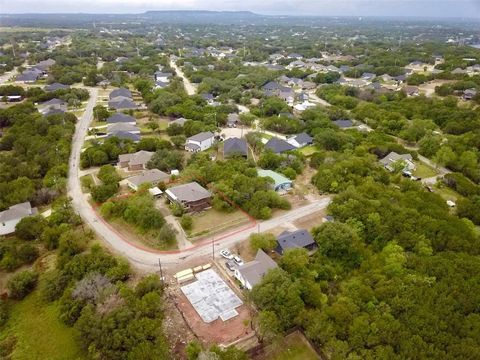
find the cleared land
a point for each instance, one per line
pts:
(214, 221)
(292, 347)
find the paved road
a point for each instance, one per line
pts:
(140, 256)
(189, 87)
(9, 74)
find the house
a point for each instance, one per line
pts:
(233, 119)
(180, 121)
(393, 158)
(235, 147)
(121, 103)
(411, 90)
(191, 196)
(343, 123)
(11, 217)
(126, 127)
(278, 146)
(45, 65)
(57, 105)
(162, 76)
(469, 94)
(251, 273)
(56, 86)
(300, 140)
(368, 76)
(13, 98)
(125, 135)
(200, 142)
(135, 161)
(120, 92)
(280, 182)
(153, 177)
(298, 239)
(29, 75)
(209, 98)
(295, 56)
(271, 86)
(121, 118)
(161, 85)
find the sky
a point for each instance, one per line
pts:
(418, 8)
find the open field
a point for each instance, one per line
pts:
(292, 347)
(38, 332)
(213, 221)
(424, 171)
(308, 150)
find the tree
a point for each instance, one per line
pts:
(269, 326)
(167, 234)
(187, 222)
(21, 284)
(266, 242)
(166, 160)
(30, 228)
(101, 113)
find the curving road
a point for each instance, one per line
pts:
(142, 257)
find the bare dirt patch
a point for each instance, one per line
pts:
(310, 221)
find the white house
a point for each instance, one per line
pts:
(200, 142)
(11, 217)
(252, 272)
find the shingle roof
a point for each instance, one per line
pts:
(343, 123)
(120, 92)
(201, 136)
(149, 176)
(303, 138)
(53, 101)
(125, 135)
(278, 145)
(121, 102)
(120, 118)
(295, 239)
(16, 212)
(55, 87)
(111, 128)
(188, 192)
(139, 158)
(235, 146)
(254, 271)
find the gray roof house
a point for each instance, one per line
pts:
(293, 240)
(56, 86)
(343, 123)
(191, 196)
(125, 135)
(180, 121)
(11, 217)
(111, 128)
(278, 145)
(57, 105)
(120, 92)
(29, 75)
(153, 177)
(235, 147)
(200, 142)
(300, 140)
(392, 158)
(251, 273)
(121, 102)
(121, 118)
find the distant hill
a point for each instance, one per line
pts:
(202, 16)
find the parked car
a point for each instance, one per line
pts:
(238, 260)
(226, 254)
(230, 264)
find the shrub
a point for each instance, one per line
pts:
(167, 234)
(21, 284)
(187, 222)
(30, 228)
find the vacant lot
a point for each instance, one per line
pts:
(424, 171)
(38, 332)
(214, 221)
(292, 347)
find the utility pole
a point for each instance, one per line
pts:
(161, 270)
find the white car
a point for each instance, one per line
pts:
(238, 260)
(226, 254)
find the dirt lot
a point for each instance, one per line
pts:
(218, 331)
(310, 221)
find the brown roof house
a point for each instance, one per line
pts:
(136, 161)
(251, 273)
(192, 197)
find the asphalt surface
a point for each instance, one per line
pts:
(142, 257)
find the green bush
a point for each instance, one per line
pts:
(187, 222)
(21, 284)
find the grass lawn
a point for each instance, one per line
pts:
(214, 221)
(38, 332)
(308, 150)
(447, 193)
(424, 171)
(293, 347)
